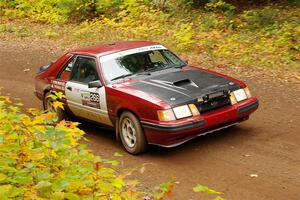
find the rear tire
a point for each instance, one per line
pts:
(48, 106)
(131, 133)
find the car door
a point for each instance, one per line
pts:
(85, 102)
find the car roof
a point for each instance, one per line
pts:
(109, 48)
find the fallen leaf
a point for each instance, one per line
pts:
(116, 154)
(143, 169)
(169, 194)
(204, 189)
(253, 175)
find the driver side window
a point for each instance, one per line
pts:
(84, 70)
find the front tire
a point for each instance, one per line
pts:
(131, 133)
(48, 106)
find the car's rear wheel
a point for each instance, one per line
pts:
(131, 133)
(48, 106)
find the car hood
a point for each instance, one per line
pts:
(183, 86)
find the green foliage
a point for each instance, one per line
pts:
(240, 3)
(221, 6)
(209, 22)
(220, 32)
(184, 36)
(19, 31)
(260, 18)
(55, 11)
(132, 22)
(39, 160)
(195, 3)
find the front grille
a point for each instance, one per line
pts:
(214, 103)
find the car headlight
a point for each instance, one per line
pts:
(166, 115)
(182, 112)
(239, 95)
(248, 93)
(178, 113)
(194, 110)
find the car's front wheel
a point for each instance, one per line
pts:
(48, 106)
(131, 133)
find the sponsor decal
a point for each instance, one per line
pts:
(77, 90)
(90, 99)
(58, 85)
(130, 51)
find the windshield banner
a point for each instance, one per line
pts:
(131, 51)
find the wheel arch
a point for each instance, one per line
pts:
(119, 113)
(141, 142)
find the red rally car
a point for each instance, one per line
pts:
(145, 92)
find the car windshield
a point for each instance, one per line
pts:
(118, 65)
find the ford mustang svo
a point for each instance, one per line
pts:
(145, 92)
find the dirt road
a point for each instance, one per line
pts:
(267, 145)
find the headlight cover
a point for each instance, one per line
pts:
(178, 113)
(166, 115)
(239, 95)
(182, 111)
(248, 93)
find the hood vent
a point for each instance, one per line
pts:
(184, 82)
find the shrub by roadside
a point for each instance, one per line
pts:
(267, 36)
(43, 160)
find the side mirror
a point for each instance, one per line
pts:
(95, 84)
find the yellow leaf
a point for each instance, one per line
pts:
(39, 119)
(2, 177)
(26, 120)
(49, 116)
(53, 154)
(37, 156)
(5, 190)
(58, 104)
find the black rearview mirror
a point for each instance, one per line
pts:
(95, 84)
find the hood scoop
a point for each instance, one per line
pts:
(184, 82)
(179, 87)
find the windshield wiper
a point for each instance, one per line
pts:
(144, 73)
(152, 69)
(122, 76)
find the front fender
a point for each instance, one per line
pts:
(137, 102)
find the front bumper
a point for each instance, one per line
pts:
(175, 133)
(173, 128)
(248, 108)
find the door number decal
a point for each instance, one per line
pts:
(94, 97)
(90, 99)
